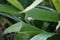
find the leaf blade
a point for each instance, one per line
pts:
(43, 36)
(16, 4)
(41, 14)
(8, 9)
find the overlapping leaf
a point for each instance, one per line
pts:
(22, 28)
(13, 28)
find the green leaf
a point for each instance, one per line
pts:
(57, 5)
(29, 29)
(13, 28)
(21, 37)
(10, 16)
(16, 4)
(22, 28)
(45, 25)
(43, 36)
(9, 9)
(41, 14)
(26, 31)
(0, 36)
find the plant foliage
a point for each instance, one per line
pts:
(29, 19)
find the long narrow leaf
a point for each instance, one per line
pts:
(41, 14)
(22, 28)
(33, 5)
(57, 5)
(16, 4)
(13, 28)
(9, 9)
(43, 36)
